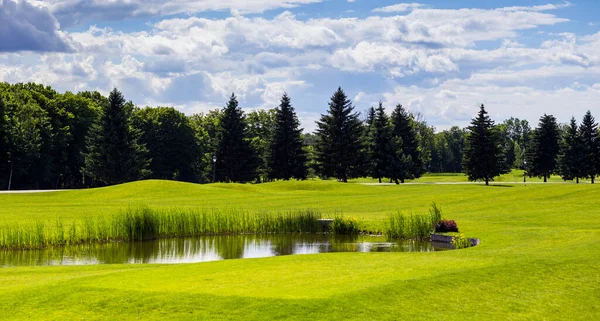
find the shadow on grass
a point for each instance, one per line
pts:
(496, 185)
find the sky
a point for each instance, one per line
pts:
(441, 59)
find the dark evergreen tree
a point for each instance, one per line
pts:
(171, 142)
(287, 158)
(407, 164)
(3, 143)
(383, 145)
(340, 150)
(368, 142)
(543, 151)
(236, 160)
(114, 154)
(483, 157)
(590, 147)
(569, 162)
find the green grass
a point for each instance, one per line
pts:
(515, 176)
(538, 260)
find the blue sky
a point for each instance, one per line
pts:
(438, 58)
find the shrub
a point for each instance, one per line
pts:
(460, 242)
(444, 226)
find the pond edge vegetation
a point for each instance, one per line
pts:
(146, 223)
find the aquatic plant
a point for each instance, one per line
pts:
(460, 241)
(145, 223)
(411, 226)
(345, 226)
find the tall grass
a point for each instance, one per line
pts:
(420, 227)
(345, 226)
(144, 223)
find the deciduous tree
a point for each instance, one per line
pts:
(171, 142)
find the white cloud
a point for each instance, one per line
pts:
(196, 63)
(400, 7)
(71, 12)
(456, 101)
(544, 7)
(396, 60)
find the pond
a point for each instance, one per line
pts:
(209, 248)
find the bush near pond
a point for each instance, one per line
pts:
(445, 226)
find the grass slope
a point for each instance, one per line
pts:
(539, 258)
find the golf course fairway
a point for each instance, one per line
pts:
(539, 257)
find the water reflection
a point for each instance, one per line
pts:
(202, 249)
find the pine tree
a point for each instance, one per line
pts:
(407, 164)
(114, 154)
(570, 152)
(544, 148)
(287, 158)
(3, 142)
(339, 147)
(367, 138)
(383, 148)
(236, 160)
(590, 147)
(483, 157)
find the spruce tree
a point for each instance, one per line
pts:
(483, 157)
(544, 148)
(3, 143)
(383, 148)
(339, 146)
(114, 154)
(569, 162)
(367, 138)
(287, 158)
(236, 160)
(407, 163)
(590, 147)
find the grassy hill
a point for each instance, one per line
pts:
(538, 258)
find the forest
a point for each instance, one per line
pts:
(52, 140)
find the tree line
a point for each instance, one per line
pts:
(65, 140)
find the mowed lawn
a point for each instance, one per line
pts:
(539, 258)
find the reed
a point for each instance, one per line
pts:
(411, 226)
(145, 223)
(345, 226)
